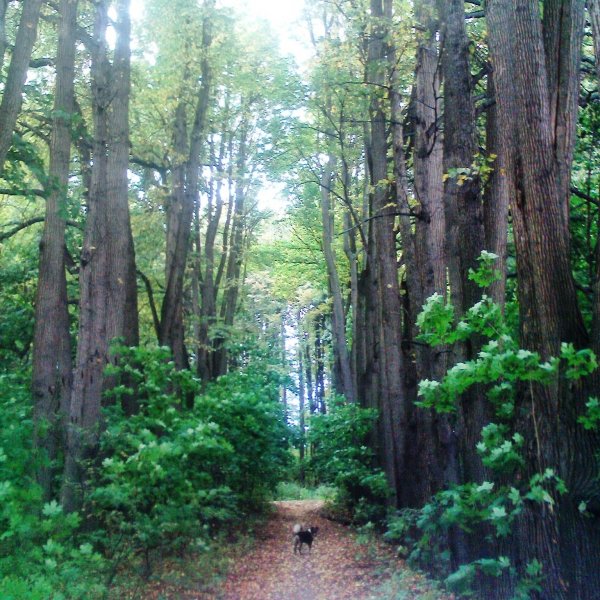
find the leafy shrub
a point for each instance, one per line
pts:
(294, 491)
(501, 367)
(171, 476)
(343, 458)
(41, 554)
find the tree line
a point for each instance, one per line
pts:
(443, 130)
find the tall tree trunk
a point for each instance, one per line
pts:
(235, 258)
(463, 212)
(308, 370)
(383, 303)
(208, 313)
(301, 405)
(319, 358)
(52, 368)
(343, 374)
(350, 251)
(438, 444)
(562, 539)
(499, 190)
(171, 323)
(563, 23)
(108, 302)
(17, 74)
(284, 363)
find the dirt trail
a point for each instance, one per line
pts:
(336, 569)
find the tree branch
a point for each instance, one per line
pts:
(150, 294)
(28, 223)
(577, 192)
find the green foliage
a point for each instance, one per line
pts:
(41, 554)
(289, 490)
(591, 420)
(170, 476)
(502, 369)
(342, 458)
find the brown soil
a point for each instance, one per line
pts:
(338, 568)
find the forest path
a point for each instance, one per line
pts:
(338, 568)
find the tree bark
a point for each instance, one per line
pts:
(17, 74)
(342, 369)
(52, 368)
(172, 332)
(208, 312)
(383, 376)
(235, 257)
(108, 301)
(520, 40)
(499, 190)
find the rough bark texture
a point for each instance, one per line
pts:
(108, 302)
(381, 379)
(463, 212)
(17, 74)
(499, 190)
(563, 23)
(52, 368)
(527, 60)
(431, 448)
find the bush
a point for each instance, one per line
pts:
(41, 555)
(172, 476)
(342, 458)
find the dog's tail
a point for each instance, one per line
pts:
(297, 528)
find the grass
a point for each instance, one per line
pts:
(290, 490)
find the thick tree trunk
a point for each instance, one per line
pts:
(565, 543)
(384, 372)
(171, 331)
(464, 219)
(17, 74)
(430, 228)
(563, 23)
(499, 190)
(108, 303)
(52, 368)
(438, 444)
(463, 212)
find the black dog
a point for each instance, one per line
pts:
(304, 536)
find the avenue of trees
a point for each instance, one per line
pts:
(434, 283)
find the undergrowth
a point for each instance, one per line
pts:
(290, 490)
